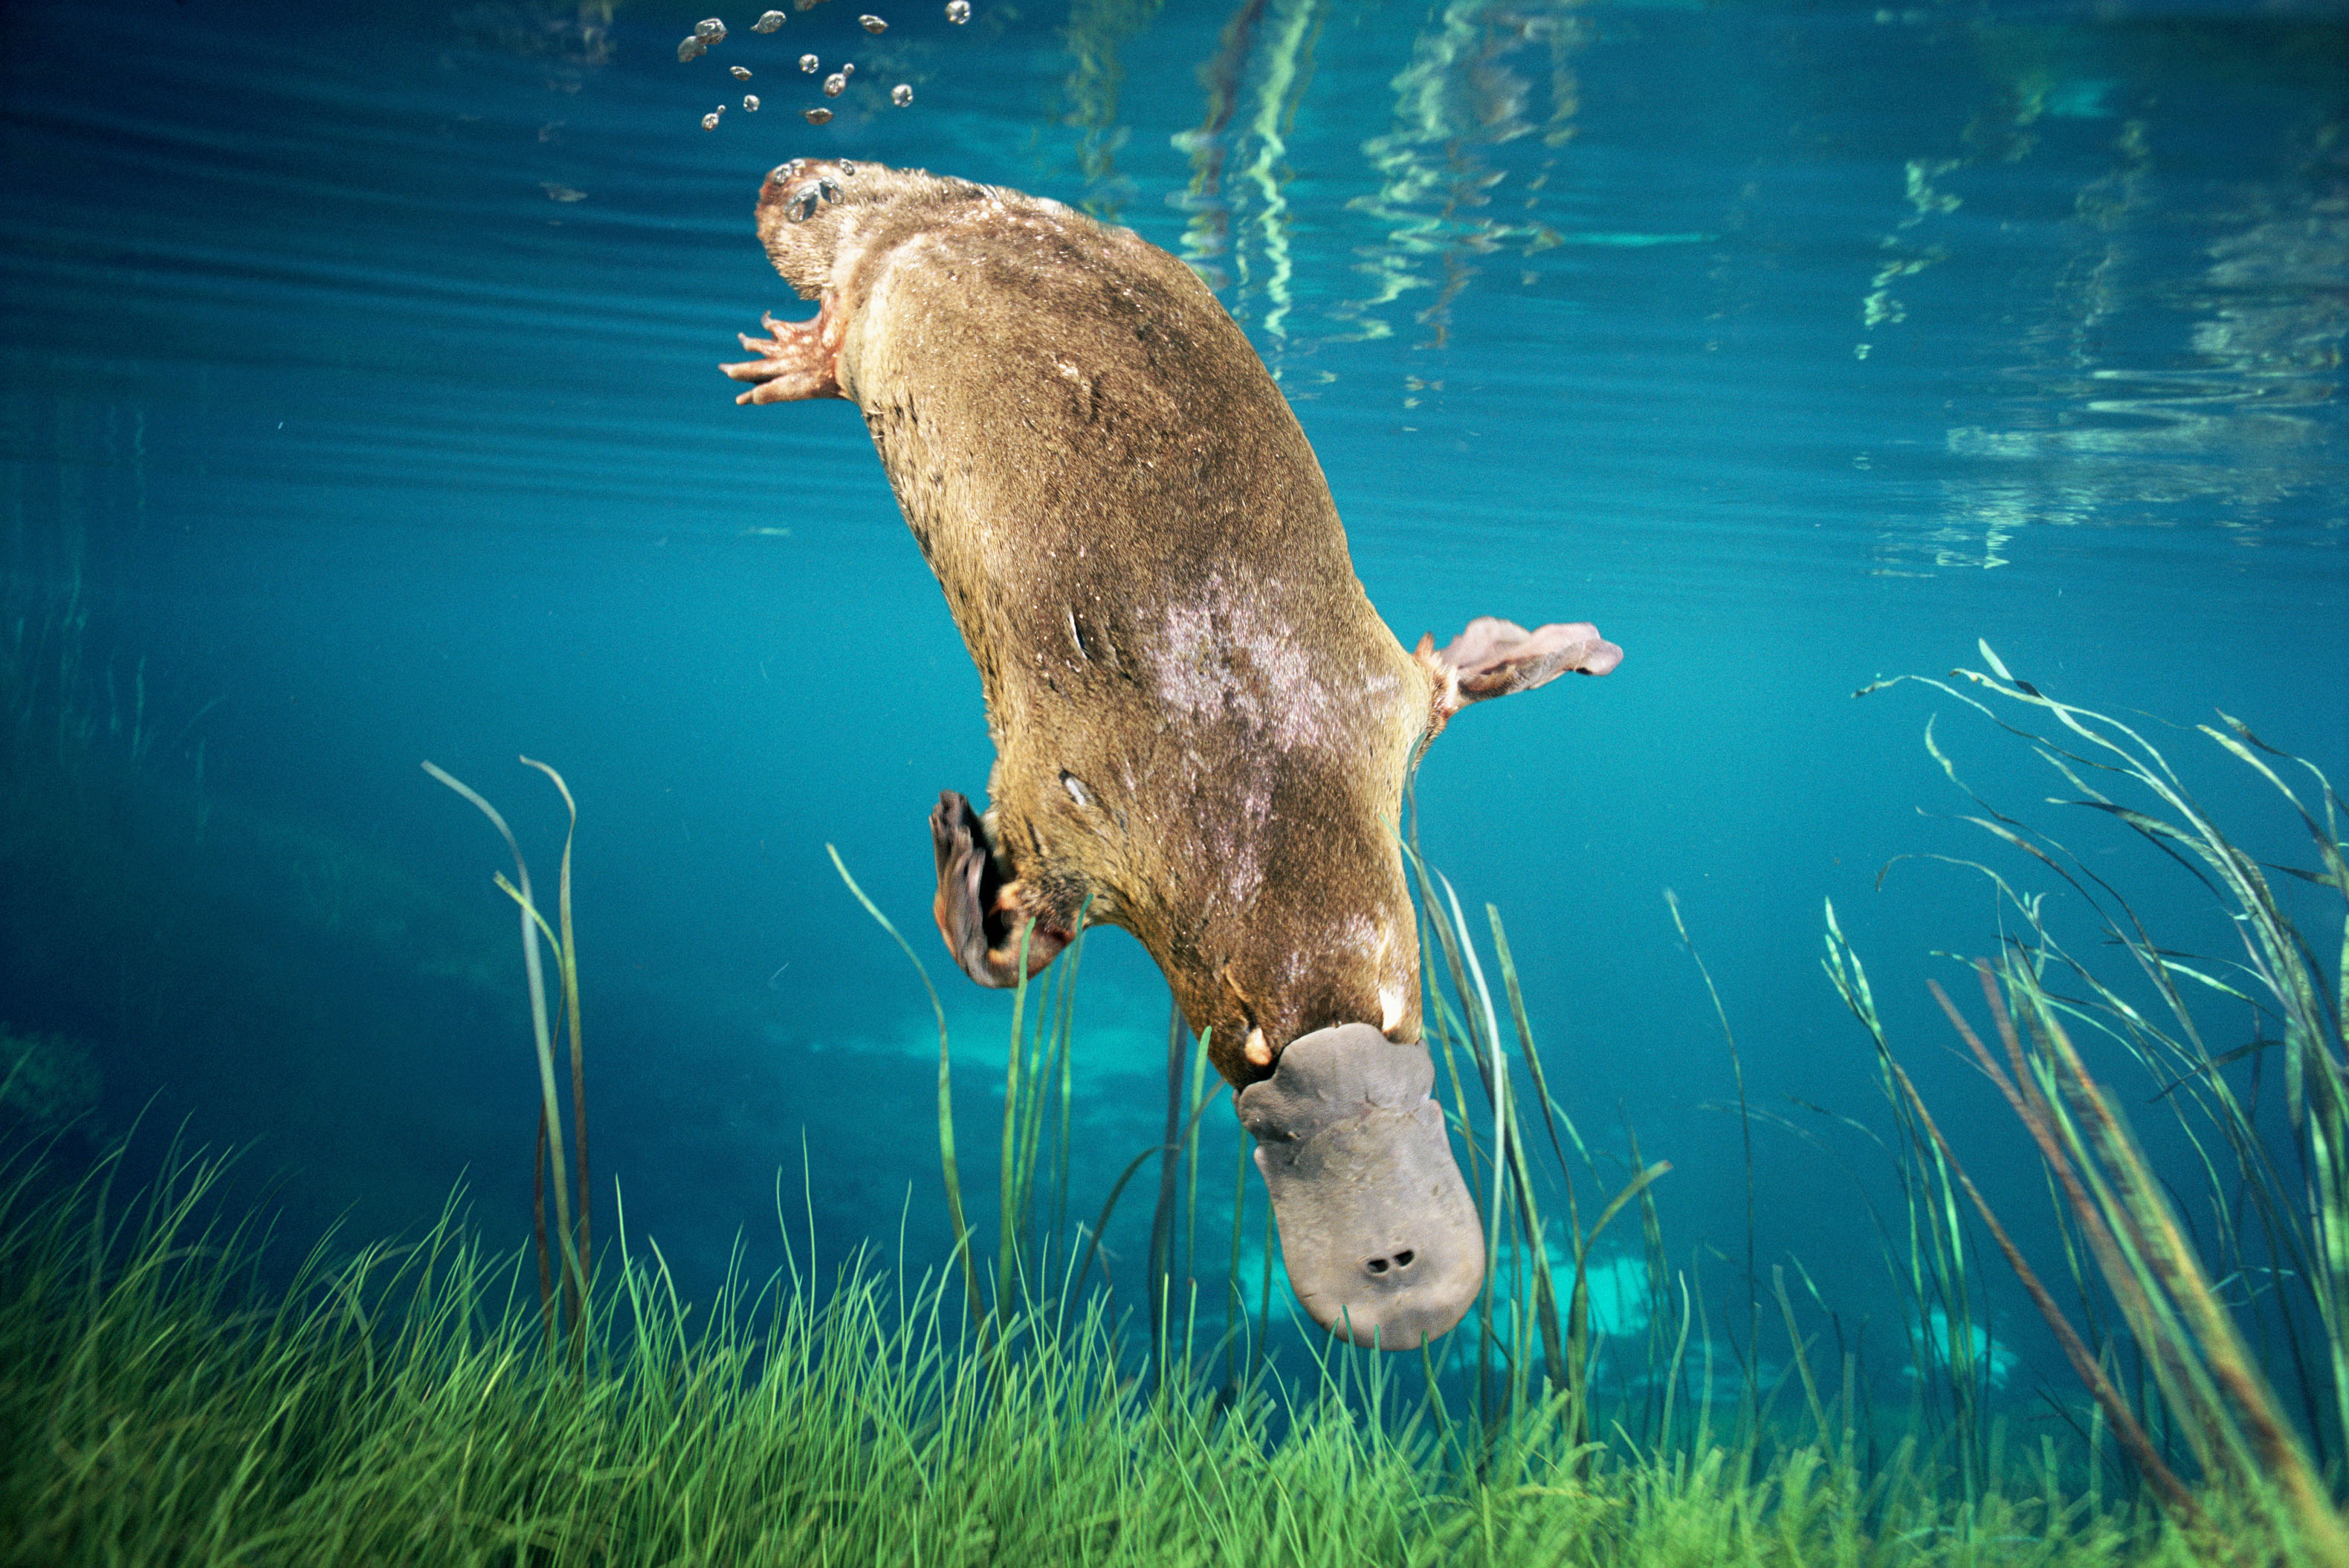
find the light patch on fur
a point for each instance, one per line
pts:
(1243, 872)
(872, 327)
(848, 257)
(1229, 658)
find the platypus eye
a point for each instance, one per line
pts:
(803, 207)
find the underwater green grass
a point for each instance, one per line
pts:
(414, 1404)
(402, 1406)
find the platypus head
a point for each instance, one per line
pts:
(1376, 1226)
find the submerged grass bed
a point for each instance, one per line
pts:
(439, 1401)
(157, 1406)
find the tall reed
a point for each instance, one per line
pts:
(573, 1243)
(2164, 1282)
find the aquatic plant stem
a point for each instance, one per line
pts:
(1162, 1218)
(567, 955)
(2154, 1238)
(540, 1033)
(2126, 1426)
(946, 1097)
(1745, 1130)
(1012, 1268)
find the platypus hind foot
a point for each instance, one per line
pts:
(979, 914)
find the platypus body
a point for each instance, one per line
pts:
(1202, 728)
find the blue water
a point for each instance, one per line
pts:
(361, 409)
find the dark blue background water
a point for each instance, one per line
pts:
(361, 402)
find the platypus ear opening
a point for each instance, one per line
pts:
(978, 912)
(1493, 658)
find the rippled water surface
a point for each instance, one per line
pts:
(361, 407)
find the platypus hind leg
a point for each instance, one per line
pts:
(979, 914)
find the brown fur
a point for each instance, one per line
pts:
(1203, 727)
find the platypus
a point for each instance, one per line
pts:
(1203, 729)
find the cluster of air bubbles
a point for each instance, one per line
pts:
(708, 33)
(704, 33)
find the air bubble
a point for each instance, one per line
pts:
(873, 23)
(768, 22)
(957, 11)
(741, 73)
(810, 64)
(901, 95)
(827, 190)
(803, 207)
(818, 115)
(836, 84)
(689, 51)
(713, 31)
(751, 103)
(709, 120)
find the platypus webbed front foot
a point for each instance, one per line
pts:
(801, 359)
(1376, 1226)
(980, 914)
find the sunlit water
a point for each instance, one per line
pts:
(361, 409)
